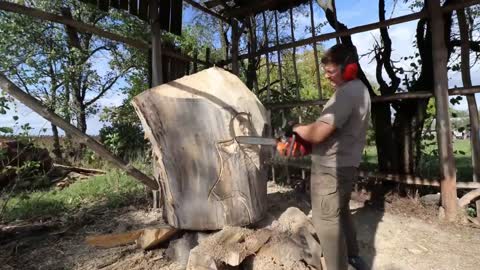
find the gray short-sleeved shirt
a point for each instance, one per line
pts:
(349, 111)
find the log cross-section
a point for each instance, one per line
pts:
(208, 179)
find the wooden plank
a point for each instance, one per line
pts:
(36, 13)
(133, 7)
(157, 67)
(467, 198)
(36, 106)
(113, 240)
(164, 16)
(206, 10)
(143, 10)
(440, 85)
(152, 237)
(103, 5)
(176, 18)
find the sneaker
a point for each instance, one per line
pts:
(358, 263)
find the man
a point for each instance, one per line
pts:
(338, 138)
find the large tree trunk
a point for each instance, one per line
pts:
(208, 180)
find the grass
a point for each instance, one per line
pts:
(429, 165)
(112, 190)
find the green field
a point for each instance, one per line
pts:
(429, 165)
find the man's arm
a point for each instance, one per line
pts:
(316, 132)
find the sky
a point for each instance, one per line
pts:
(350, 12)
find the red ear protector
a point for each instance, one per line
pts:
(349, 70)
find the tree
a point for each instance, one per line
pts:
(61, 66)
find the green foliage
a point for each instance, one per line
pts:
(123, 139)
(113, 190)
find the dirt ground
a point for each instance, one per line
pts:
(398, 235)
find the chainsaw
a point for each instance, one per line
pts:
(293, 146)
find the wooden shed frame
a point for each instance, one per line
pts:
(153, 11)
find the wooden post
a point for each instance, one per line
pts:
(315, 52)
(303, 170)
(207, 56)
(36, 106)
(294, 58)
(267, 56)
(279, 58)
(472, 103)
(195, 58)
(235, 44)
(157, 72)
(444, 135)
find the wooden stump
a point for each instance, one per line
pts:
(208, 180)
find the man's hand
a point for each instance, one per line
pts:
(314, 133)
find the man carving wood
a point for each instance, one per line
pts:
(338, 138)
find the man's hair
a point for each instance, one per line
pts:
(340, 54)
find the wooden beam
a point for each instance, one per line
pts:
(206, 10)
(440, 85)
(319, 38)
(387, 98)
(157, 67)
(315, 51)
(83, 27)
(398, 178)
(279, 57)
(354, 30)
(249, 9)
(294, 56)
(267, 57)
(98, 148)
(176, 17)
(235, 45)
(472, 103)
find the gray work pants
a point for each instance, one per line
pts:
(330, 193)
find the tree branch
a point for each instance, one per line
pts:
(107, 86)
